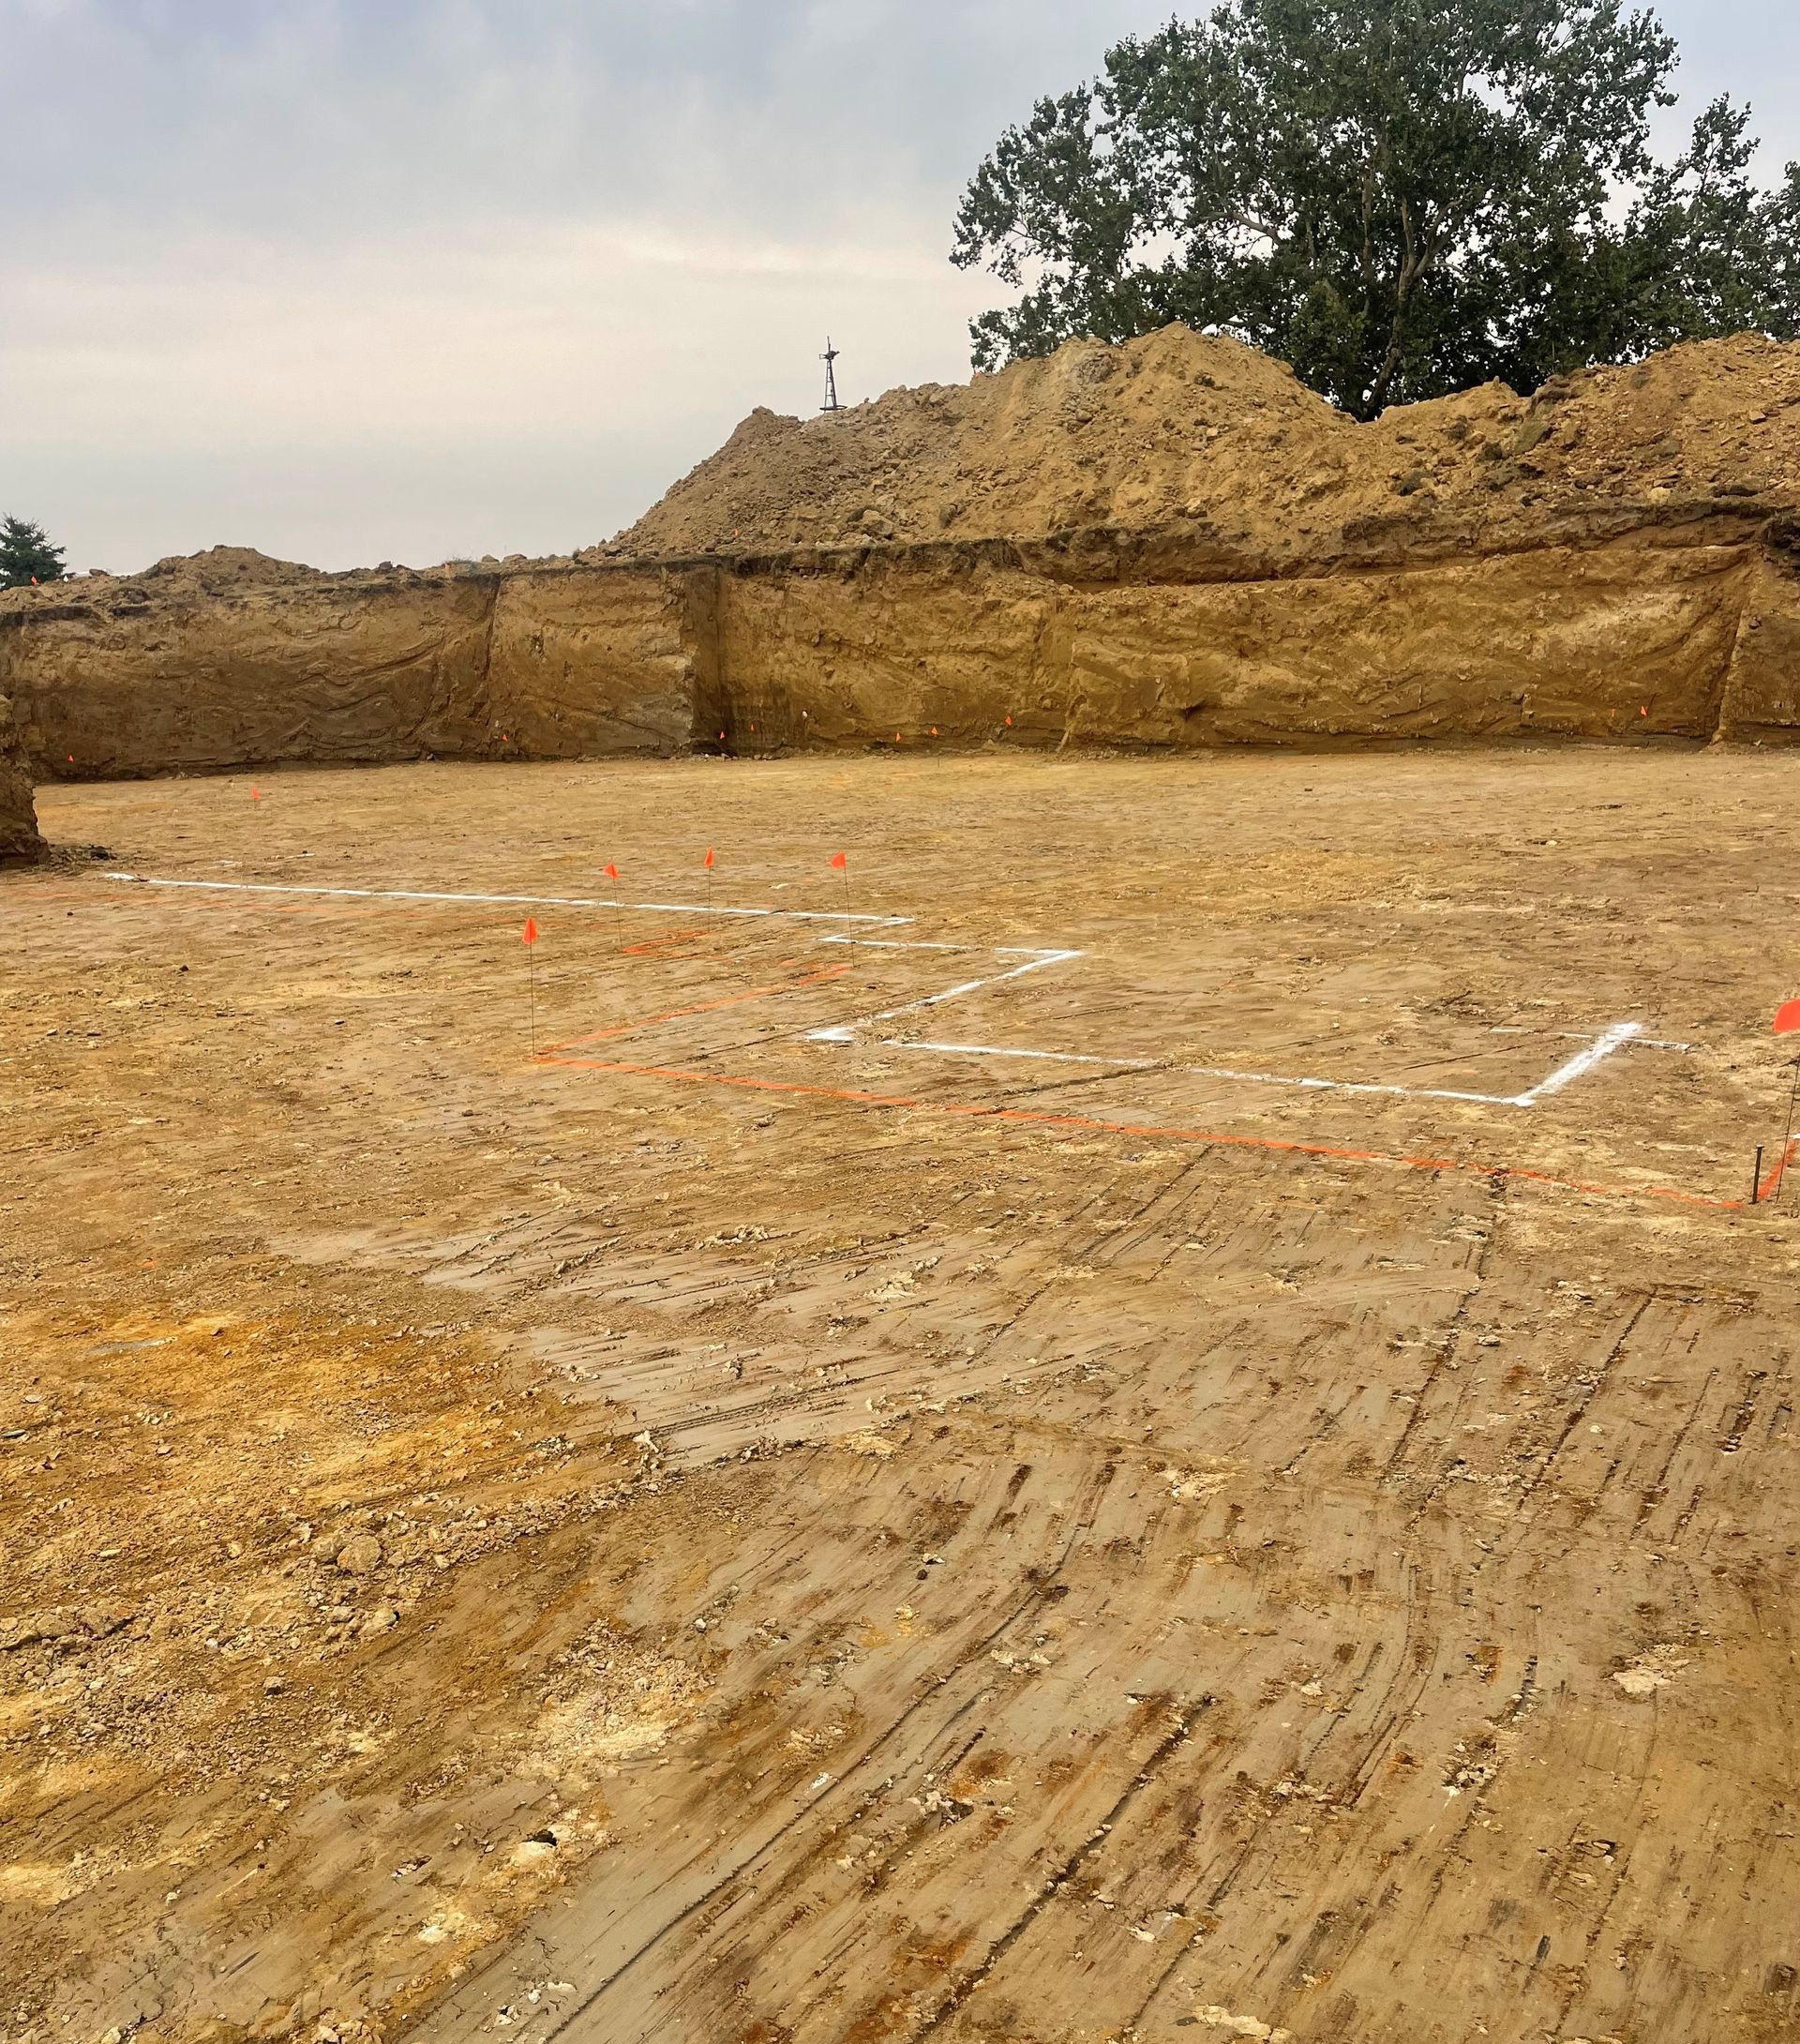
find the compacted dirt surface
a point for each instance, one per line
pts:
(1191, 1435)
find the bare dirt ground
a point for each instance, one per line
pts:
(781, 1516)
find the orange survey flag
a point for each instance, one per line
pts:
(708, 856)
(1787, 1019)
(531, 930)
(840, 860)
(612, 873)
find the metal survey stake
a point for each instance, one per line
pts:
(1756, 1177)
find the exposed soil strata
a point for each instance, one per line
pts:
(134, 678)
(1678, 621)
(1638, 634)
(18, 837)
(1167, 543)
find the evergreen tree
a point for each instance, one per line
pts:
(26, 554)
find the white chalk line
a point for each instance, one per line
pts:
(518, 901)
(1600, 1048)
(1035, 960)
(1594, 1052)
(1584, 1060)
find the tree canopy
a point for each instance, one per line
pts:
(1401, 198)
(26, 554)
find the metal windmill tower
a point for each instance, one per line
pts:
(829, 360)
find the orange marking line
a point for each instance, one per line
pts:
(1035, 1117)
(554, 1054)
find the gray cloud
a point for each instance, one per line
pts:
(353, 282)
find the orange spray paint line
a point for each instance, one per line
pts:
(981, 1111)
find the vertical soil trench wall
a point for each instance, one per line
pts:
(18, 837)
(1685, 628)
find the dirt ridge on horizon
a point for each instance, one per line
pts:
(1178, 426)
(1173, 429)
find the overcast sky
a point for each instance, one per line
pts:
(355, 280)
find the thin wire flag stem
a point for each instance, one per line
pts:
(1787, 1136)
(842, 862)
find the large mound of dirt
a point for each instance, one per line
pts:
(1186, 426)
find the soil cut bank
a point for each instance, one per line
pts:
(1163, 545)
(18, 837)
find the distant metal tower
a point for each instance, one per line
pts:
(829, 360)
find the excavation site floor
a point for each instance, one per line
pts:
(1156, 1406)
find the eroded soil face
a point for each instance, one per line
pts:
(686, 1487)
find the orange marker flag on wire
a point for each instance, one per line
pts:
(841, 861)
(529, 937)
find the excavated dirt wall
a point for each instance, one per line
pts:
(590, 663)
(140, 680)
(1686, 627)
(18, 837)
(1680, 622)
(1763, 702)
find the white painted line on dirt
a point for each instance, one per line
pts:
(1596, 1052)
(1581, 1062)
(1585, 1060)
(1034, 962)
(995, 1051)
(1348, 1086)
(896, 943)
(1199, 1071)
(515, 901)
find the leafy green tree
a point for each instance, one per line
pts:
(26, 554)
(1401, 198)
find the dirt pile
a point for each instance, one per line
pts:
(18, 837)
(1180, 427)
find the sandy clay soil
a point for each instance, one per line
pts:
(783, 1516)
